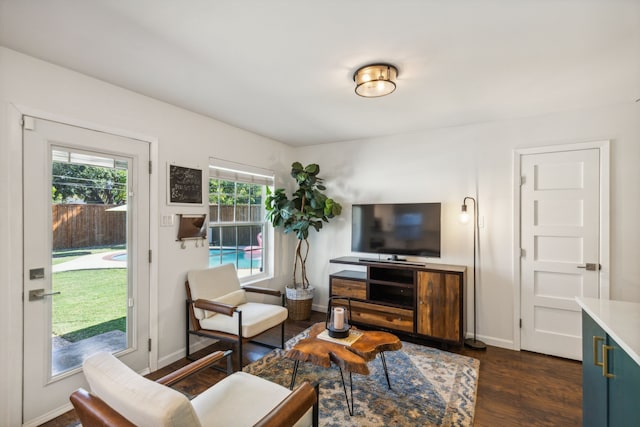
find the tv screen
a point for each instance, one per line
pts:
(396, 229)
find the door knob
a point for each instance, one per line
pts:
(37, 294)
(591, 266)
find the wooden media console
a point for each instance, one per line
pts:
(420, 300)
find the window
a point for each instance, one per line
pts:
(237, 232)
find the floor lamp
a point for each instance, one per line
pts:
(464, 218)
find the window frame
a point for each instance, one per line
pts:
(243, 174)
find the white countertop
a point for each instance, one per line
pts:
(619, 319)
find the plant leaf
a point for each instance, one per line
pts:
(312, 169)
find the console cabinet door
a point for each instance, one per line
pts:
(439, 305)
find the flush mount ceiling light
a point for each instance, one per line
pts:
(375, 80)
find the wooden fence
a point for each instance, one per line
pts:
(82, 226)
(252, 213)
(242, 235)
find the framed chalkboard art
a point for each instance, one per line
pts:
(184, 185)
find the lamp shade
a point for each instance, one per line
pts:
(375, 80)
(464, 214)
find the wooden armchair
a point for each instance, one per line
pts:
(120, 397)
(217, 307)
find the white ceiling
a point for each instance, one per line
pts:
(284, 69)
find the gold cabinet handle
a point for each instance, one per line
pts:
(605, 361)
(596, 340)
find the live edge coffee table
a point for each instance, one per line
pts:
(352, 358)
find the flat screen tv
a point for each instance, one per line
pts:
(396, 229)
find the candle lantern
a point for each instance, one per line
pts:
(338, 320)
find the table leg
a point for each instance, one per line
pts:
(293, 376)
(351, 406)
(384, 366)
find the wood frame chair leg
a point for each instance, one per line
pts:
(282, 335)
(282, 330)
(187, 338)
(229, 365)
(240, 358)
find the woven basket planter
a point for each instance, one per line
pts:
(299, 302)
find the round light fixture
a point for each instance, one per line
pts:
(375, 80)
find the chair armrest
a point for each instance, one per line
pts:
(93, 411)
(218, 307)
(261, 290)
(192, 368)
(292, 408)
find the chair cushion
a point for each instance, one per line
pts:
(241, 400)
(234, 298)
(256, 318)
(141, 401)
(211, 284)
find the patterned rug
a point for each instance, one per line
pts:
(430, 387)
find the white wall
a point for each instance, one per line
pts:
(445, 165)
(182, 137)
(441, 165)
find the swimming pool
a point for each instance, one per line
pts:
(235, 256)
(219, 256)
(119, 257)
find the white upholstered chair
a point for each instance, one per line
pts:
(217, 307)
(120, 397)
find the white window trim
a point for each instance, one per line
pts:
(239, 172)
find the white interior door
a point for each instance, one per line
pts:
(560, 215)
(86, 267)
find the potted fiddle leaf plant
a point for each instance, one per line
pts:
(307, 209)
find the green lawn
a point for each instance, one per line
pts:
(90, 302)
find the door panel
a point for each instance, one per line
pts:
(559, 234)
(86, 240)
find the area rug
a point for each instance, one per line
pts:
(430, 387)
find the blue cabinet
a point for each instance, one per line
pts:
(594, 384)
(610, 380)
(624, 388)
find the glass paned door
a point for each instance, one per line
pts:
(86, 258)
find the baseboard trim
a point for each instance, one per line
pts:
(49, 416)
(320, 308)
(177, 355)
(493, 341)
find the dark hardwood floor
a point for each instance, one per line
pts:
(515, 388)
